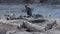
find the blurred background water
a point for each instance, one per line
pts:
(45, 10)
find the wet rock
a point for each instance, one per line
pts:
(37, 21)
(10, 32)
(18, 32)
(53, 31)
(38, 16)
(2, 31)
(33, 27)
(50, 25)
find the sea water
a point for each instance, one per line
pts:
(45, 10)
